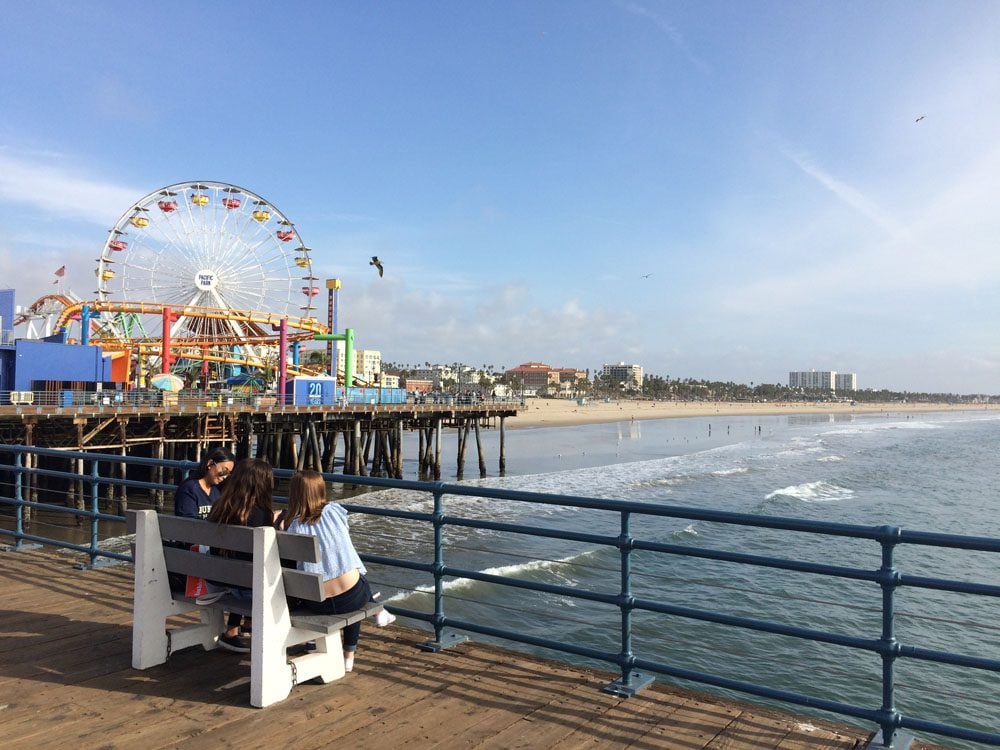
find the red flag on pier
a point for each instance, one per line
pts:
(60, 272)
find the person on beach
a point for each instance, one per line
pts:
(245, 500)
(344, 583)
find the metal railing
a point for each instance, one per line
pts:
(25, 467)
(193, 399)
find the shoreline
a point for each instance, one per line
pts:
(542, 412)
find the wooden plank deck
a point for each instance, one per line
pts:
(66, 681)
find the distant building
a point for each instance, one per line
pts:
(828, 380)
(812, 379)
(418, 385)
(533, 375)
(846, 381)
(630, 375)
(538, 375)
(367, 362)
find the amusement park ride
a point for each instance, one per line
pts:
(201, 277)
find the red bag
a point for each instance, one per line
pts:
(196, 586)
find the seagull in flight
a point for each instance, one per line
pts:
(920, 118)
(646, 275)
(378, 264)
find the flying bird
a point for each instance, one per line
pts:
(378, 264)
(646, 275)
(920, 118)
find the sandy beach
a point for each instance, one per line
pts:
(544, 412)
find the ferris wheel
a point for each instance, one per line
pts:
(205, 245)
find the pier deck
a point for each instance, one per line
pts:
(66, 681)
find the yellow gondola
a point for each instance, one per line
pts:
(139, 221)
(261, 216)
(302, 261)
(199, 200)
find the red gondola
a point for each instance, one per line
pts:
(231, 202)
(167, 206)
(285, 236)
(310, 291)
(117, 245)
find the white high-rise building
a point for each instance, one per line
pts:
(846, 381)
(812, 379)
(630, 375)
(829, 380)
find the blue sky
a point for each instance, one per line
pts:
(519, 166)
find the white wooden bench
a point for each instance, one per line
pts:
(275, 627)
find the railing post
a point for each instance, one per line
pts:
(630, 682)
(19, 498)
(441, 641)
(94, 510)
(888, 579)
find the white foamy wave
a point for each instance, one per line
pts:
(515, 570)
(862, 429)
(688, 530)
(730, 472)
(829, 459)
(798, 451)
(814, 492)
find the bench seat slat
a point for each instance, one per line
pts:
(329, 624)
(300, 618)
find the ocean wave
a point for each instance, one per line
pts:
(831, 458)
(814, 492)
(555, 569)
(730, 472)
(862, 429)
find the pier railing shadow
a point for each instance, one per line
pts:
(624, 537)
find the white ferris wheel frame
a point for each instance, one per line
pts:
(205, 244)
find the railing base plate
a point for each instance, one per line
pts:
(636, 682)
(447, 641)
(901, 741)
(18, 547)
(101, 562)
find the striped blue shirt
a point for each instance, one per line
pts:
(335, 545)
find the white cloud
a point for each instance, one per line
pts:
(59, 192)
(669, 30)
(495, 325)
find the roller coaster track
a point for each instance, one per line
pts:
(222, 350)
(307, 326)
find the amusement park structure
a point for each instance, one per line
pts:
(197, 277)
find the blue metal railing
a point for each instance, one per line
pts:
(23, 470)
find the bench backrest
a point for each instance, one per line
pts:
(228, 570)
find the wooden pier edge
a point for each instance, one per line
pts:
(66, 677)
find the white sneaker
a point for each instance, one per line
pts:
(211, 598)
(384, 618)
(349, 661)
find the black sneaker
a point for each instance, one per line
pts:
(234, 643)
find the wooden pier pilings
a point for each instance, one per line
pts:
(367, 441)
(358, 440)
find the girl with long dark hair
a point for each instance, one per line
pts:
(245, 500)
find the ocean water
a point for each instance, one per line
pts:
(932, 472)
